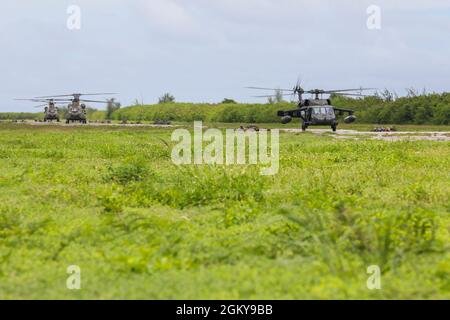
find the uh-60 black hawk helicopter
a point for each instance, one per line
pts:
(317, 111)
(76, 109)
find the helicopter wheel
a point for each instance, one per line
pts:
(334, 127)
(304, 127)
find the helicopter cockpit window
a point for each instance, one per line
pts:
(320, 111)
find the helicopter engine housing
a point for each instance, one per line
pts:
(286, 119)
(350, 119)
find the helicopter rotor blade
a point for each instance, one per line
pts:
(83, 100)
(352, 94)
(55, 96)
(32, 100)
(77, 94)
(347, 90)
(44, 100)
(96, 94)
(298, 90)
(272, 89)
(273, 95)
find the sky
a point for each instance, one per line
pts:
(208, 50)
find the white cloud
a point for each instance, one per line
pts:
(207, 50)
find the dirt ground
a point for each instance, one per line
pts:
(340, 134)
(385, 136)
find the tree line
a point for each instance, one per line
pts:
(387, 108)
(383, 108)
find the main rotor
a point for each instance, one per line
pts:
(48, 102)
(317, 93)
(76, 97)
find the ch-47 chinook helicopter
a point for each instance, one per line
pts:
(317, 111)
(76, 109)
(51, 111)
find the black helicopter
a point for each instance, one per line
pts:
(317, 111)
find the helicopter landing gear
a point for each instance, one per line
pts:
(334, 127)
(304, 126)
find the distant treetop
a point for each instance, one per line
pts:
(166, 98)
(228, 101)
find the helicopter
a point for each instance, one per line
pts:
(317, 111)
(76, 109)
(51, 111)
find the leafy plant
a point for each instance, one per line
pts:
(166, 98)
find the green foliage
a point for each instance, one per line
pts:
(198, 187)
(111, 107)
(188, 112)
(228, 101)
(127, 172)
(278, 96)
(109, 200)
(20, 115)
(383, 109)
(413, 109)
(166, 98)
(97, 115)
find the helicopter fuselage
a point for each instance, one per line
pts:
(316, 112)
(51, 113)
(76, 112)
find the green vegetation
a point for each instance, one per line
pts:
(188, 112)
(414, 109)
(110, 201)
(228, 101)
(21, 115)
(167, 98)
(385, 108)
(111, 107)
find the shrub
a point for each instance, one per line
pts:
(166, 98)
(127, 172)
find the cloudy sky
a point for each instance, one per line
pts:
(207, 50)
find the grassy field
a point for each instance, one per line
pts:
(110, 200)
